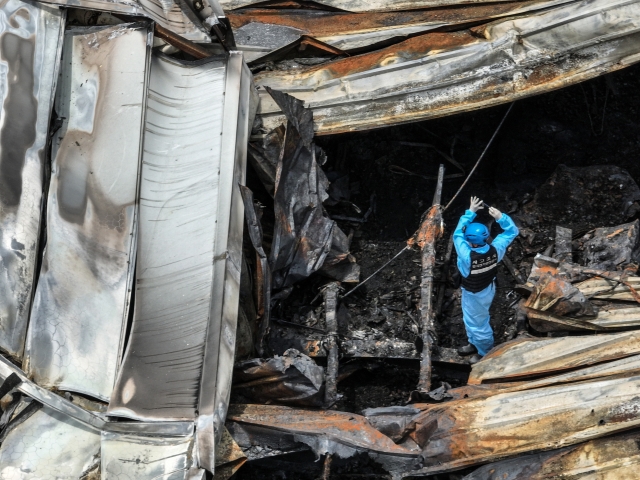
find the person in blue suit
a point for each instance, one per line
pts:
(478, 266)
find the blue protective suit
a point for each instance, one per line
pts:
(475, 306)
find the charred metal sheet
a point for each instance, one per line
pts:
(304, 236)
(522, 358)
(439, 74)
(465, 432)
(125, 456)
(610, 289)
(261, 31)
(179, 359)
(325, 432)
(263, 272)
(47, 445)
(367, 5)
(290, 379)
(613, 457)
(174, 15)
(81, 302)
(30, 46)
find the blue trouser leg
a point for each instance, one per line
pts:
(475, 313)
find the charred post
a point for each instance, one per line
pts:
(330, 309)
(431, 230)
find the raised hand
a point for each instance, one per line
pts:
(476, 204)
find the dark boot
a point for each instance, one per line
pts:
(467, 350)
(474, 359)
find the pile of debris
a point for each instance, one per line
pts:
(149, 279)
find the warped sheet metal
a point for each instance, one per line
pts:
(606, 289)
(30, 45)
(179, 359)
(465, 432)
(610, 319)
(439, 74)
(340, 433)
(616, 457)
(174, 15)
(49, 445)
(146, 457)
(290, 379)
(261, 31)
(81, 303)
(523, 358)
(367, 5)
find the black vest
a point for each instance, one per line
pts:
(484, 270)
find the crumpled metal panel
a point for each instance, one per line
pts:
(261, 31)
(174, 15)
(48, 446)
(465, 432)
(179, 198)
(81, 302)
(290, 379)
(439, 74)
(179, 358)
(367, 5)
(522, 358)
(616, 457)
(127, 456)
(30, 46)
(605, 289)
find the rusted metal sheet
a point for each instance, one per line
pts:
(616, 457)
(30, 46)
(148, 457)
(325, 432)
(174, 15)
(47, 445)
(368, 5)
(179, 359)
(606, 289)
(261, 31)
(465, 432)
(438, 74)
(82, 300)
(522, 358)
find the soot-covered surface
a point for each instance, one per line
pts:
(595, 123)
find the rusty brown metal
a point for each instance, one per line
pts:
(525, 358)
(616, 457)
(465, 432)
(327, 24)
(438, 74)
(181, 43)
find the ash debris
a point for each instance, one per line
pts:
(570, 277)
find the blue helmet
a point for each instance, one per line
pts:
(476, 233)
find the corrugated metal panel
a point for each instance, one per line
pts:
(438, 74)
(261, 31)
(81, 302)
(49, 445)
(179, 359)
(615, 457)
(528, 357)
(466, 432)
(126, 456)
(368, 5)
(30, 45)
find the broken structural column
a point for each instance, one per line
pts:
(330, 309)
(426, 237)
